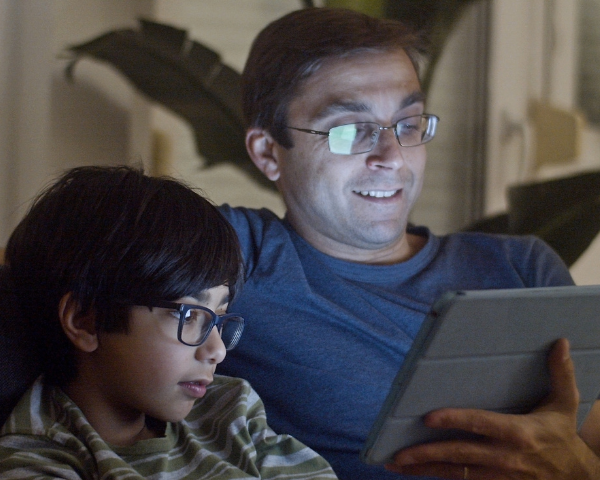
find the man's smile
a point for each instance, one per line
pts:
(377, 193)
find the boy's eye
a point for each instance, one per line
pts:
(190, 316)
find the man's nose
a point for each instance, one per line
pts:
(387, 153)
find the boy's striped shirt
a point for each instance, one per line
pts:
(225, 436)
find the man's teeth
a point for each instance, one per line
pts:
(377, 193)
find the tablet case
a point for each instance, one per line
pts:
(487, 349)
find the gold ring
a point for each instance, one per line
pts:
(466, 473)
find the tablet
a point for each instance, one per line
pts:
(487, 349)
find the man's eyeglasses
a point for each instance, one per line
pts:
(356, 138)
(196, 323)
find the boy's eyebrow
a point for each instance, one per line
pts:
(340, 106)
(224, 300)
(203, 297)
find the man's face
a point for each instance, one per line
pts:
(354, 207)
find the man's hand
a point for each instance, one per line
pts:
(543, 444)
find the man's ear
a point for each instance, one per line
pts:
(263, 152)
(80, 329)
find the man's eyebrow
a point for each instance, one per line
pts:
(359, 107)
(341, 107)
(415, 97)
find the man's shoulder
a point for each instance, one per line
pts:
(251, 222)
(237, 215)
(260, 231)
(525, 259)
(466, 244)
(491, 240)
(497, 248)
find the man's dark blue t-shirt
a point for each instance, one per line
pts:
(325, 337)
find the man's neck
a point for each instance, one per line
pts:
(404, 249)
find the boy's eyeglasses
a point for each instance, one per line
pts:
(357, 138)
(196, 323)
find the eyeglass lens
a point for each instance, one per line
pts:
(361, 137)
(198, 323)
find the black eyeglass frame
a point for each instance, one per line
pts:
(216, 320)
(431, 126)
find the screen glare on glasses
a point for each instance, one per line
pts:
(361, 137)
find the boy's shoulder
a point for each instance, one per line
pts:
(230, 395)
(31, 415)
(40, 407)
(44, 411)
(226, 382)
(46, 432)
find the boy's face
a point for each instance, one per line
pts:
(147, 370)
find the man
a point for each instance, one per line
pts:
(337, 290)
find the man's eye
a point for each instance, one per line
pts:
(412, 125)
(408, 126)
(363, 131)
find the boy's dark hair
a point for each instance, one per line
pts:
(290, 49)
(111, 234)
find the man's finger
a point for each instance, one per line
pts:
(480, 422)
(564, 396)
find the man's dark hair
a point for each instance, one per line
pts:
(290, 49)
(109, 235)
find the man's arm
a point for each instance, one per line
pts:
(543, 444)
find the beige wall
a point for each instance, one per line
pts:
(48, 125)
(228, 26)
(100, 119)
(25, 56)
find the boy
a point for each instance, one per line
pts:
(123, 279)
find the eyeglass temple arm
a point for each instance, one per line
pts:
(305, 130)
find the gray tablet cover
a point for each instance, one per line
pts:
(488, 349)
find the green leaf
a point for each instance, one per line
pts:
(374, 8)
(435, 19)
(564, 212)
(187, 78)
(190, 80)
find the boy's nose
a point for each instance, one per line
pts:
(213, 349)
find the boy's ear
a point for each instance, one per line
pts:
(263, 152)
(80, 329)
